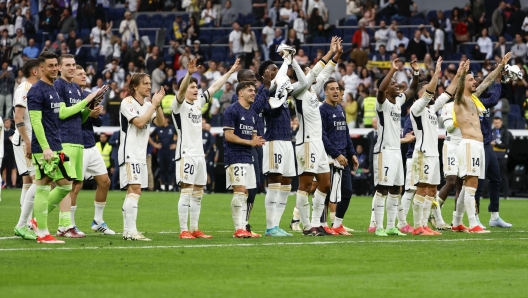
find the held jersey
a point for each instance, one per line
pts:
(20, 100)
(133, 140)
(425, 123)
(307, 104)
(187, 119)
(455, 136)
(389, 124)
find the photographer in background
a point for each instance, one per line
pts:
(500, 141)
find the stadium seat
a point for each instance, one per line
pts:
(168, 59)
(142, 18)
(119, 12)
(493, 38)
(447, 13)
(475, 67)
(319, 39)
(515, 110)
(249, 19)
(349, 31)
(307, 50)
(417, 21)
(351, 22)
(156, 21)
(141, 23)
(217, 56)
(168, 21)
(240, 19)
(431, 14)
(512, 121)
(508, 37)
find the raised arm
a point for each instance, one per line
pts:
(414, 84)
(302, 84)
(329, 68)
(191, 68)
(386, 81)
(430, 89)
(493, 75)
(459, 97)
(223, 79)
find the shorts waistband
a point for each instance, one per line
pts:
(472, 142)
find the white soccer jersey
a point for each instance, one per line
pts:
(20, 100)
(133, 140)
(187, 119)
(389, 124)
(455, 136)
(307, 102)
(425, 123)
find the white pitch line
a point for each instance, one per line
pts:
(245, 244)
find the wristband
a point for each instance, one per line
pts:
(20, 124)
(417, 73)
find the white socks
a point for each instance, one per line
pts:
(25, 188)
(469, 203)
(458, 215)
(317, 207)
(72, 214)
(428, 204)
(392, 209)
(99, 208)
(27, 206)
(130, 208)
(379, 209)
(281, 203)
(494, 215)
(196, 205)
(418, 205)
(183, 207)
(270, 202)
(437, 212)
(303, 207)
(238, 210)
(372, 213)
(405, 205)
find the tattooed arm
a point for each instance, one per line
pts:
(459, 97)
(493, 75)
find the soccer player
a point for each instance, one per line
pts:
(279, 156)
(93, 163)
(22, 149)
(72, 141)
(467, 110)
(191, 171)
(136, 114)
(426, 165)
(312, 160)
(52, 164)
(339, 146)
(388, 164)
(491, 169)
(240, 135)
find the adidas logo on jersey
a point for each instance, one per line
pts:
(242, 118)
(333, 116)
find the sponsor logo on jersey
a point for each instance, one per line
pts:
(195, 118)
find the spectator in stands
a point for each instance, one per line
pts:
(137, 55)
(389, 10)
(29, 24)
(107, 48)
(316, 24)
(128, 27)
(63, 49)
(153, 61)
(19, 42)
(365, 78)
(292, 40)
(3, 9)
(7, 26)
(48, 24)
(285, 12)
(439, 40)
(301, 57)
(208, 14)
(118, 73)
(360, 56)
(235, 46)
(267, 37)
(369, 14)
(274, 13)
(212, 74)
(301, 26)
(484, 48)
(519, 50)
(381, 55)
(80, 53)
(320, 5)
(95, 38)
(361, 37)
(186, 57)
(277, 40)
(498, 19)
(500, 142)
(18, 19)
(259, 9)
(350, 80)
(198, 52)
(318, 56)
(381, 35)
(249, 45)
(351, 110)
(132, 6)
(417, 45)
(7, 84)
(516, 19)
(294, 14)
(191, 32)
(67, 23)
(360, 175)
(31, 51)
(158, 76)
(501, 48)
(353, 9)
(445, 23)
(228, 14)
(404, 8)
(402, 75)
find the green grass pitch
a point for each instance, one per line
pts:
(452, 265)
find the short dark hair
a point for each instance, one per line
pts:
(28, 66)
(244, 85)
(159, 63)
(77, 66)
(329, 82)
(192, 80)
(378, 83)
(242, 74)
(47, 55)
(294, 74)
(264, 66)
(497, 118)
(65, 56)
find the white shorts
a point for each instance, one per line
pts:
(311, 158)
(336, 178)
(471, 159)
(191, 170)
(24, 165)
(93, 163)
(388, 168)
(241, 174)
(425, 169)
(133, 173)
(409, 182)
(279, 158)
(450, 159)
